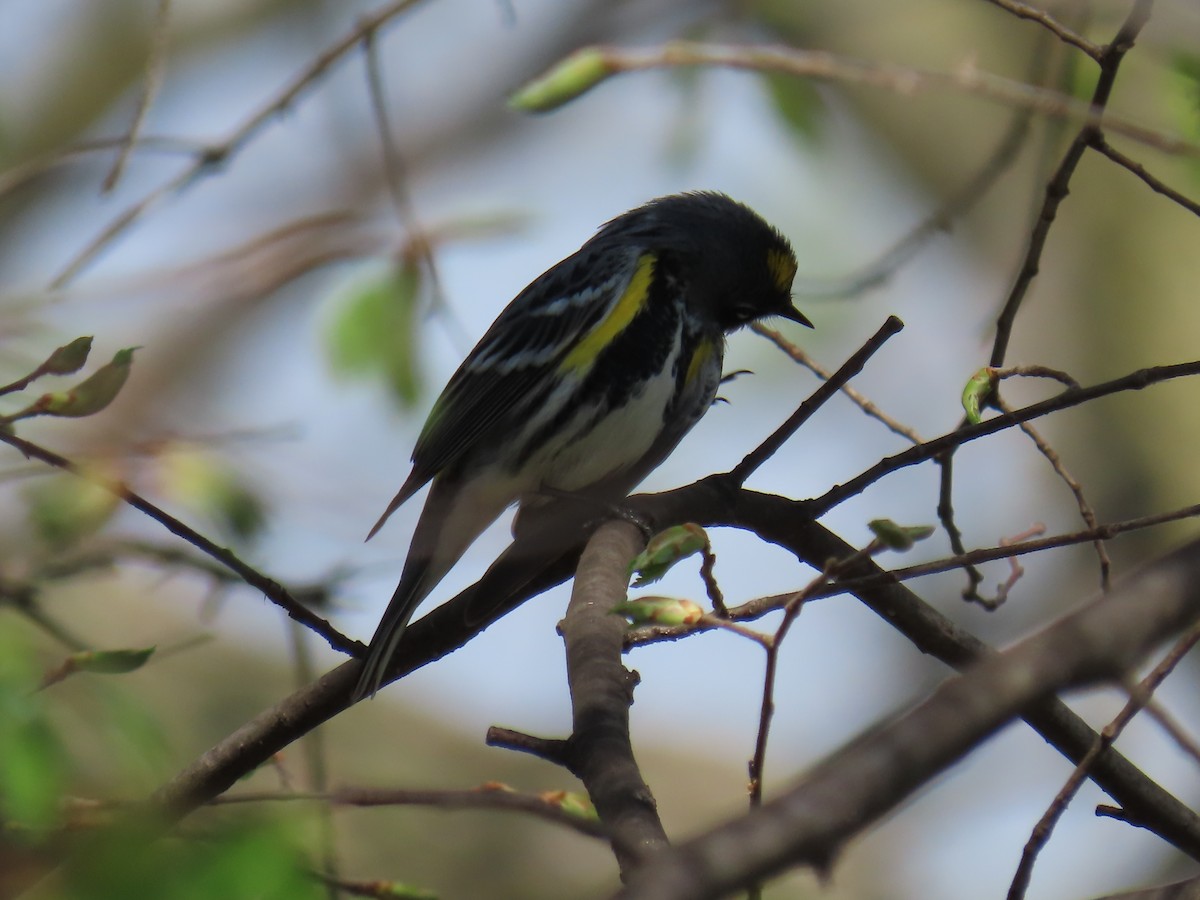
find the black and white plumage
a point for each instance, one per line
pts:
(586, 381)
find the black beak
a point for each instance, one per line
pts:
(792, 314)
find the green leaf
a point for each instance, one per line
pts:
(110, 662)
(1183, 99)
(666, 549)
(243, 859)
(898, 537)
(978, 391)
(568, 79)
(64, 509)
(196, 478)
(33, 761)
(69, 358)
(797, 102)
(373, 333)
(659, 611)
(32, 773)
(91, 395)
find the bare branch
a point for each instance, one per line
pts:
(798, 355)
(601, 754)
(1059, 185)
(516, 576)
(1086, 512)
(272, 590)
(217, 154)
(903, 80)
(820, 396)
(1139, 697)
(155, 65)
(488, 796)
(870, 776)
(1043, 18)
(932, 448)
(1102, 146)
(757, 608)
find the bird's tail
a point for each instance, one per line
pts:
(414, 587)
(454, 515)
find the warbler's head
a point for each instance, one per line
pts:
(731, 260)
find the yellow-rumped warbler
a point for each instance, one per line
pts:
(587, 380)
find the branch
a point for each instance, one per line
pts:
(760, 606)
(156, 61)
(801, 357)
(932, 633)
(491, 796)
(873, 774)
(596, 63)
(1059, 185)
(1047, 21)
(272, 590)
(1100, 145)
(820, 396)
(712, 502)
(510, 581)
(215, 155)
(1135, 381)
(599, 750)
(1141, 695)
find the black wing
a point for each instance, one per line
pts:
(517, 359)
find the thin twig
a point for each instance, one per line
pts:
(420, 242)
(1036, 371)
(553, 750)
(1086, 512)
(488, 796)
(315, 756)
(1174, 730)
(725, 623)
(708, 562)
(1043, 18)
(23, 597)
(903, 80)
(1100, 145)
(819, 397)
(151, 82)
(1139, 697)
(271, 589)
(791, 611)
(755, 609)
(215, 155)
(1059, 185)
(934, 447)
(942, 218)
(19, 175)
(799, 355)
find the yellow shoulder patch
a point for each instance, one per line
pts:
(701, 355)
(622, 313)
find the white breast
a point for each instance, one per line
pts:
(622, 437)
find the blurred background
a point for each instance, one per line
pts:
(294, 332)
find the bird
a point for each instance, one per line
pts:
(585, 382)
